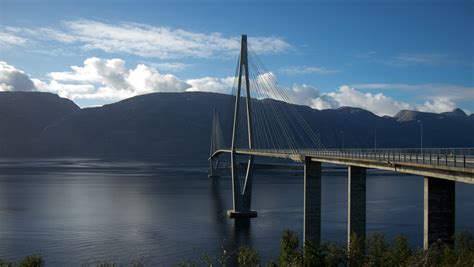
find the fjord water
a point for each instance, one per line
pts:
(76, 211)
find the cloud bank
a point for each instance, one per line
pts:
(348, 96)
(13, 79)
(377, 103)
(103, 79)
(7, 39)
(108, 80)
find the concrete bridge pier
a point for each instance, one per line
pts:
(356, 205)
(312, 201)
(242, 198)
(439, 211)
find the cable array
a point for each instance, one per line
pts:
(277, 124)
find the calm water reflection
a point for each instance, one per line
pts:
(77, 210)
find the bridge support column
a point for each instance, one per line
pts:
(356, 197)
(242, 198)
(213, 173)
(312, 202)
(439, 211)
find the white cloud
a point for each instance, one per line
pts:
(95, 70)
(8, 39)
(295, 70)
(13, 79)
(437, 105)
(147, 41)
(109, 80)
(211, 84)
(377, 103)
(144, 79)
(324, 103)
(170, 66)
(71, 91)
(345, 96)
(310, 96)
(303, 94)
(265, 45)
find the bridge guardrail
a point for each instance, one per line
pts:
(449, 157)
(455, 157)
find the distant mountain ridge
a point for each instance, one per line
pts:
(411, 115)
(171, 126)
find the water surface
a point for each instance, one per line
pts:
(75, 211)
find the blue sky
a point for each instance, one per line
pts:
(380, 55)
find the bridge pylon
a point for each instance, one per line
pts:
(242, 197)
(216, 143)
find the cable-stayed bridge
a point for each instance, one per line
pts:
(263, 123)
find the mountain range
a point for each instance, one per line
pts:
(177, 126)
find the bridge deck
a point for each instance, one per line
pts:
(450, 166)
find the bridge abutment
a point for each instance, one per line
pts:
(439, 211)
(356, 205)
(312, 201)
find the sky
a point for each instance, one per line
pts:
(384, 56)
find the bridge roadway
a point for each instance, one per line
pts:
(441, 168)
(449, 164)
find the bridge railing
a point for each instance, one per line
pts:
(455, 157)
